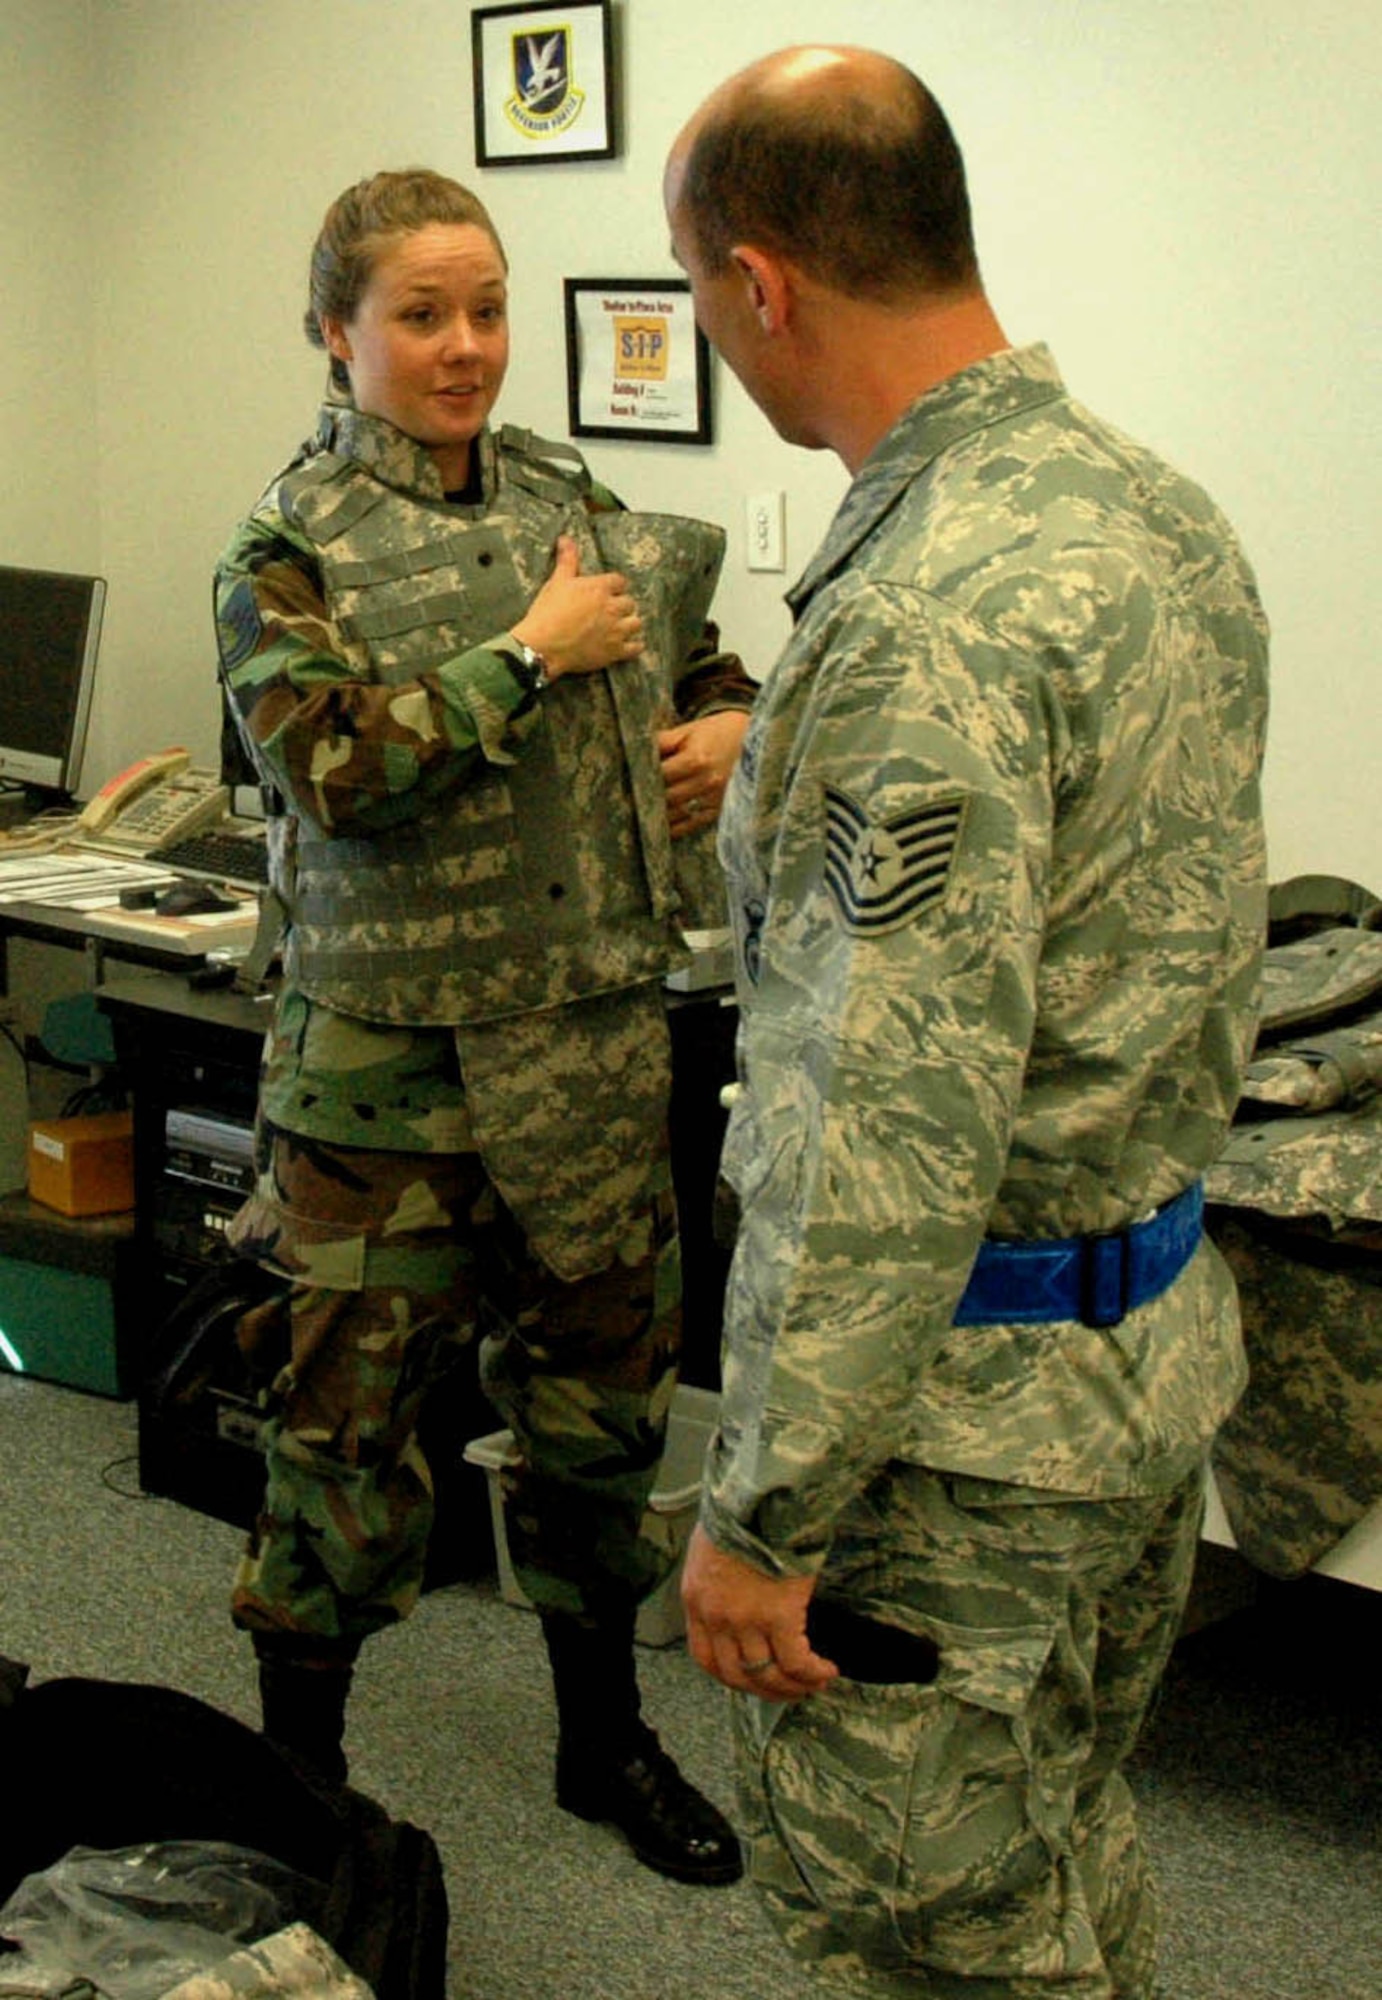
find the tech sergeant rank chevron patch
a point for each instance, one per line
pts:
(883, 873)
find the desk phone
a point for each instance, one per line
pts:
(157, 799)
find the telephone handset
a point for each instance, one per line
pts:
(159, 798)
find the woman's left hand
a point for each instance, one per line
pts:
(697, 758)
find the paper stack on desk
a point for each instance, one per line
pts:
(65, 879)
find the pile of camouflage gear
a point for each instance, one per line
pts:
(1296, 1207)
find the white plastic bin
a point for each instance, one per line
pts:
(672, 1508)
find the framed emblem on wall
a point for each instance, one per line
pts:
(543, 80)
(637, 365)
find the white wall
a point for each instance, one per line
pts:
(48, 474)
(1177, 195)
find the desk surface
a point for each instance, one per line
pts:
(70, 895)
(165, 937)
(151, 995)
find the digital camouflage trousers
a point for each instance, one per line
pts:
(975, 1839)
(395, 1259)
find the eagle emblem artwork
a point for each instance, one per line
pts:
(545, 99)
(881, 873)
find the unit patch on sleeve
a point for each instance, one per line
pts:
(882, 873)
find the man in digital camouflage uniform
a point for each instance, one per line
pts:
(464, 1101)
(996, 871)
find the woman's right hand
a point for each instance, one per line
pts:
(581, 623)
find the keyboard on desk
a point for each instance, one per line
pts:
(217, 855)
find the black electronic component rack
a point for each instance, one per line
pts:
(192, 1060)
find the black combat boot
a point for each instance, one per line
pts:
(610, 1765)
(303, 1686)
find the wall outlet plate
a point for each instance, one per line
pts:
(765, 529)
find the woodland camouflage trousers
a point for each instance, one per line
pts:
(394, 1259)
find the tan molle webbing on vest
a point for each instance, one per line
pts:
(549, 875)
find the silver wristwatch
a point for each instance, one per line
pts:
(530, 666)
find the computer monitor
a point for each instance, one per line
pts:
(50, 629)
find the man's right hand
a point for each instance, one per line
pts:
(748, 1629)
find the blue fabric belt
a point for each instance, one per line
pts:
(1095, 1279)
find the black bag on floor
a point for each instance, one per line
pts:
(112, 1764)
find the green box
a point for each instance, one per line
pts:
(64, 1299)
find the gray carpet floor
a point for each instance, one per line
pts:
(1260, 1777)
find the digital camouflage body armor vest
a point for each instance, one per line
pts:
(1296, 1207)
(549, 875)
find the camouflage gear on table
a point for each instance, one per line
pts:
(1319, 1074)
(417, 1255)
(1299, 1462)
(997, 877)
(1325, 1162)
(996, 866)
(1326, 975)
(1304, 904)
(931, 1841)
(1327, 1167)
(1297, 1210)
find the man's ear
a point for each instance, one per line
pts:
(767, 285)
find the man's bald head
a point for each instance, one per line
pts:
(838, 159)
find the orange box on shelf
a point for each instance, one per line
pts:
(83, 1166)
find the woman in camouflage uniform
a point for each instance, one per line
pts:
(487, 703)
